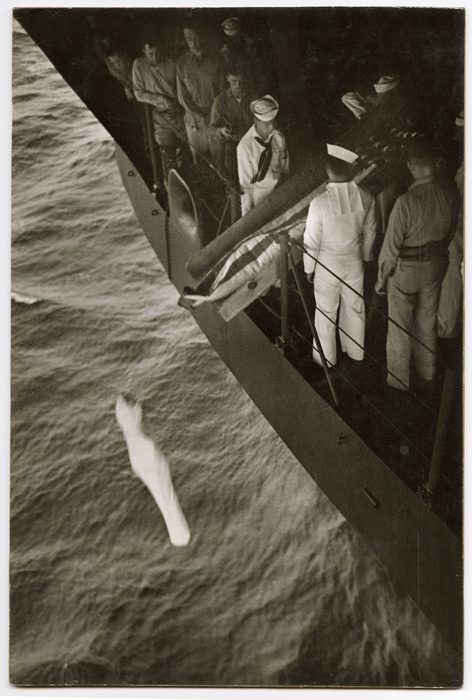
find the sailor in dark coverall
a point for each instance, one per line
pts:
(412, 264)
(231, 117)
(154, 83)
(198, 83)
(450, 303)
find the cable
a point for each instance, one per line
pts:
(425, 405)
(345, 379)
(389, 318)
(372, 357)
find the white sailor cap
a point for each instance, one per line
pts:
(265, 108)
(231, 26)
(386, 83)
(341, 153)
(460, 119)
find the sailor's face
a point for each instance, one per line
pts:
(152, 54)
(117, 62)
(236, 84)
(264, 129)
(234, 38)
(193, 41)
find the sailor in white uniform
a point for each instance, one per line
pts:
(262, 155)
(340, 233)
(361, 104)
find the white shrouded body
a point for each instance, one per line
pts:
(151, 466)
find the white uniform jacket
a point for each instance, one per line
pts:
(340, 222)
(255, 183)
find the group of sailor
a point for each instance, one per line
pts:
(206, 99)
(209, 101)
(419, 266)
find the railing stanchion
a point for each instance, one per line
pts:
(312, 325)
(151, 143)
(235, 203)
(223, 214)
(284, 253)
(441, 430)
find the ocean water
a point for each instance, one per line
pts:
(275, 588)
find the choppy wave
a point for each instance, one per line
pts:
(23, 299)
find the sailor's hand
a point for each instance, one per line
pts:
(379, 288)
(225, 132)
(309, 276)
(278, 140)
(129, 93)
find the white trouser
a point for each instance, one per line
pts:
(354, 102)
(252, 195)
(331, 294)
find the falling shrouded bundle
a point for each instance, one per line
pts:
(151, 466)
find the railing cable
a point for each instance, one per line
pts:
(379, 311)
(353, 386)
(373, 358)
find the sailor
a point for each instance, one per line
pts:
(234, 49)
(390, 106)
(120, 66)
(261, 154)
(198, 83)
(154, 82)
(450, 302)
(231, 117)
(360, 102)
(412, 265)
(386, 98)
(249, 49)
(340, 233)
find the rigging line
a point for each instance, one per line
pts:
(362, 347)
(344, 378)
(381, 313)
(200, 154)
(377, 362)
(372, 357)
(209, 210)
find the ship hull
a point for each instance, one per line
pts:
(423, 556)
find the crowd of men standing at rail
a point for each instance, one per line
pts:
(214, 103)
(208, 101)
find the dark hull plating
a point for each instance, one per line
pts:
(422, 555)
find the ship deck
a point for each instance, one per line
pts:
(400, 427)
